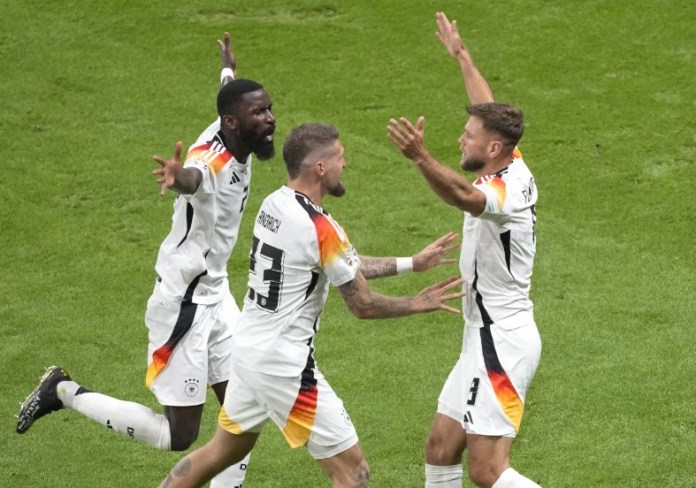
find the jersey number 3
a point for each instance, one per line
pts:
(272, 276)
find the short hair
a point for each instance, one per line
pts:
(231, 94)
(500, 118)
(302, 141)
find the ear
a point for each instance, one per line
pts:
(494, 149)
(230, 121)
(320, 168)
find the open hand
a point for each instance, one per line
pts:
(434, 297)
(166, 175)
(431, 255)
(407, 138)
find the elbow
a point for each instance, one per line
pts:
(361, 312)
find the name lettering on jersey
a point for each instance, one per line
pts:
(528, 192)
(269, 222)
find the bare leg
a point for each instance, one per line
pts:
(347, 469)
(184, 425)
(223, 450)
(488, 458)
(446, 442)
(233, 476)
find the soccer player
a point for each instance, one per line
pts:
(191, 311)
(298, 249)
(481, 404)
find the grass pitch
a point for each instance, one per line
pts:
(91, 90)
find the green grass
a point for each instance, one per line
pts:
(90, 90)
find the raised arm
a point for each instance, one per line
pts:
(366, 304)
(453, 188)
(172, 175)
(229, 60)
(477, 88)
(427, 258)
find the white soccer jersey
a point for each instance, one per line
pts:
(297, 250)
(498, 249)
(192, 260)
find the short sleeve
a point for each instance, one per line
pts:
(506, 194)
(338, 258)
(209, 159)
(207, 183)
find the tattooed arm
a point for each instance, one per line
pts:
(377, 267)
(426, 259)
(366, 304)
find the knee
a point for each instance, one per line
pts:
(183, 439)
(482, 475)
(440, 453)
(351, 476)
(362, 474)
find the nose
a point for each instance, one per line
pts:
(270, 118)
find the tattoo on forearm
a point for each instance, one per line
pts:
(377, 267)
(182, 468)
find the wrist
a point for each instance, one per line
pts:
(421, 159)
(226, 72)
(404, 265)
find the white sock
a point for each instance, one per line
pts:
(443, 476)
(512, 479)
(232, 477)
(129, 418)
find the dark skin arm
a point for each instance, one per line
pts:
(227, 57)
(171, 175)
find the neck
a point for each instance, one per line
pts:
(495, 165)
(312, 191)
(235, 145)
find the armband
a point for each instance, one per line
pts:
(404, 265)
(225, 73)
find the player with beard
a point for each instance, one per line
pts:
(298, 250)
(191, 312)
(481, 404)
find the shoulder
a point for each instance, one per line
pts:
(213, 155)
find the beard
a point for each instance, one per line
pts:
(337, 191)
(258, 144)
(472, 164)
(264, 150)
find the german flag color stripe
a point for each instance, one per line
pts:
(331, 247)
(213, 154)
(505, 391)
(161, 356)
(228, 424)
(301, 418)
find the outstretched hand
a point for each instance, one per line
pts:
(433, 297)
(449, 35)
(407, 138)
(431, 255)
(166, 175)
(229, 60)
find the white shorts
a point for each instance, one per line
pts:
(189, 347)
(305, 408)
(486, 389)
